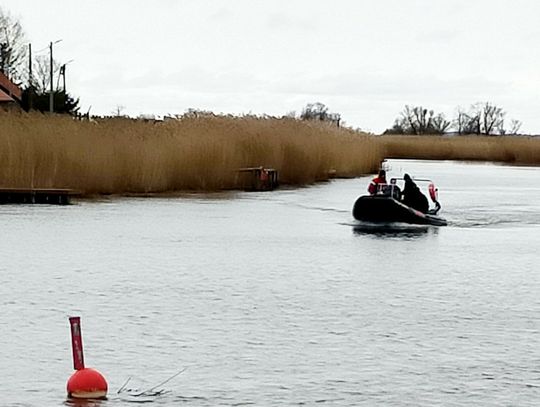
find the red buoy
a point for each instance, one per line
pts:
(85, 383)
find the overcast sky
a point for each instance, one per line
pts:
(363, 59)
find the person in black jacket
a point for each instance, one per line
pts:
(413, 197)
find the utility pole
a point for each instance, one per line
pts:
(31, 79)
(3, 53)
(63, 73)
(51, 96)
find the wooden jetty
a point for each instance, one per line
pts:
(258, 178)
(36, 196)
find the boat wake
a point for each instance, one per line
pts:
(493, 219)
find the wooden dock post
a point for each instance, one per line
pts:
(36, 196)
(258, 178)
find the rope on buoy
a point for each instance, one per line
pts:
(151, 392)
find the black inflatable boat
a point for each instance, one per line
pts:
(386, 207)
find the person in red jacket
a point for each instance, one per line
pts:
(377, 182)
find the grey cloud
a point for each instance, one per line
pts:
(438, 36)
(393, 87)
(280, 21)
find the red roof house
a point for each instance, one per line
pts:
(5, 98)
(10, 94)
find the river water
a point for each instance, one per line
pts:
(279, 298)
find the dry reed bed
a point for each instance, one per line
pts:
(127, 156)
(507, 149)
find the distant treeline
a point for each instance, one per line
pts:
(480, 119)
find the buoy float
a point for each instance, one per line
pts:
(85, 383)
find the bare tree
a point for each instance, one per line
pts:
(397, 128)
(484, 118)
(467, 122)
(438, 124)
(461, 121)
(13, 48)
(418, 120)
(487, 119)
(319, 111)
(41, 75)
(314, 111)
(515, 125)
(492, 118)
(414, 118)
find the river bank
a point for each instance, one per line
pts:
(126, 156)
(119, 156)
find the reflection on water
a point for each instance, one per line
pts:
(272, 300)
(394, 230)
(71, 402)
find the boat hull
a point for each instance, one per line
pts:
(385, 209)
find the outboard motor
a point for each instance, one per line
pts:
(433, 194)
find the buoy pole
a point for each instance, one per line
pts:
(85, 383)
(76, 343)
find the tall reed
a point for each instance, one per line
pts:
(120, 155)
(508, 149)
